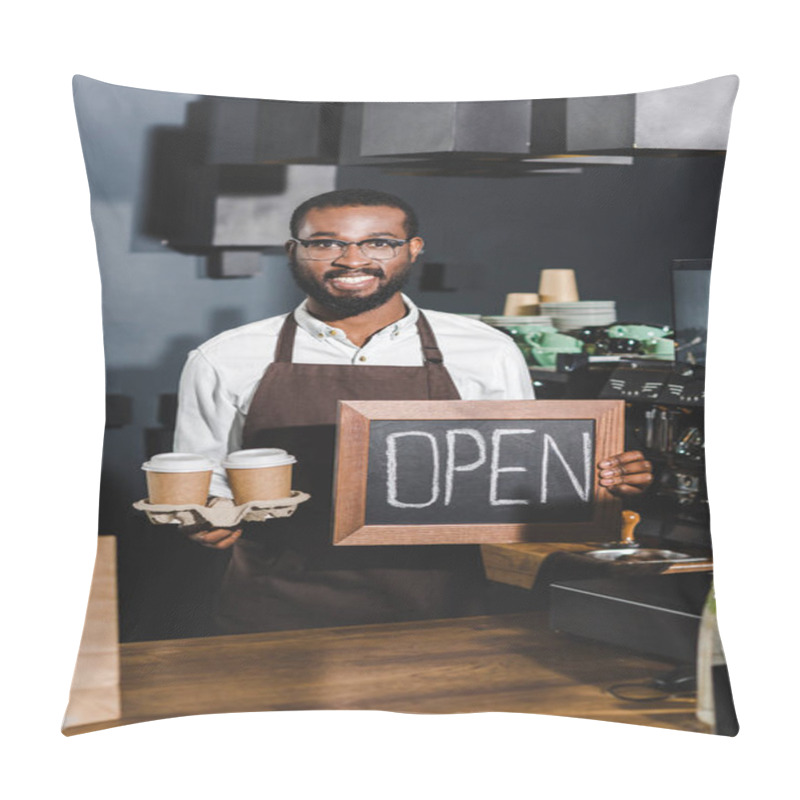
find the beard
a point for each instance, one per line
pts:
(344, 307)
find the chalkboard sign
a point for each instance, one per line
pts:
(474, 471)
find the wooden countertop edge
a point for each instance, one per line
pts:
(615, 718)
(95, 698)
(518, 564)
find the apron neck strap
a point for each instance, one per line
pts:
(430, 349)
(285, 346)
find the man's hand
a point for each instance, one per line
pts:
(626, 474)
(218, 538)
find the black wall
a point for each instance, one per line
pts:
(618, 227)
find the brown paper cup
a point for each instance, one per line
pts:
(178, 488)
(259, 474)
(521, 304)
(265, 483)
(177, 479)
(558, 286)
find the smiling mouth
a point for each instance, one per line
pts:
(350, 280)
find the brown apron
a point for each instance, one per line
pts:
(286, 574)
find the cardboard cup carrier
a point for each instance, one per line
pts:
(178, 478)
(259, 474)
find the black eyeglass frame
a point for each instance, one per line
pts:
(394, 243)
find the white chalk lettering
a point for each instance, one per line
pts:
(497, 469)
(451, 467)
(391, 470)
(582, 491)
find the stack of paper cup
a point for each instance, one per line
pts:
(558, 286)
(259, 474)
(177, 479)
(521, 304)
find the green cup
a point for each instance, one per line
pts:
(552, 339)
(661, 348)
(641, 333)
(544, 347)
(542, 356)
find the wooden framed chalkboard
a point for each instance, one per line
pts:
(464, 471)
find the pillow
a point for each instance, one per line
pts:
(579, 232)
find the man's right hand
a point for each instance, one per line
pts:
(218, 538)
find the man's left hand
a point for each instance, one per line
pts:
(626, 474)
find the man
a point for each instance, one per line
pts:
(276, 382)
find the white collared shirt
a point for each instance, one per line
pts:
(221, 376)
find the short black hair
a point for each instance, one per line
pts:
(341, 198)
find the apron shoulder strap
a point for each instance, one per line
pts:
(430, 347)
(285, 346)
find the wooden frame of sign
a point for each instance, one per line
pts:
(599, 424)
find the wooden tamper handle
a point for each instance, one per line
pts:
(630, 519)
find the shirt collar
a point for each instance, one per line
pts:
(317, 328)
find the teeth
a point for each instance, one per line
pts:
(354, 280)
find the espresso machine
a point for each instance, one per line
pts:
(664, 419)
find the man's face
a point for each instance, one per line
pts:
(353, 283)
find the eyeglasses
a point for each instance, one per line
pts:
(329, 249)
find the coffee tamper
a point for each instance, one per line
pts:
(630, 519)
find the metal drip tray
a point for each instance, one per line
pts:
(639, 555)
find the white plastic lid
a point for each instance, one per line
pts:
(258, 458)
(178, 462)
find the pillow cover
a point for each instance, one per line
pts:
(579, 230)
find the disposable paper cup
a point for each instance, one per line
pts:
(259, 474)
(521, 303)
(558, 286)
(177, 479)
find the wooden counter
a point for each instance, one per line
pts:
(500, 663)
(520, 564)
(94, 696)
